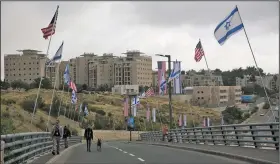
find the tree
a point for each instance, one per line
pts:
(85, 87)
(17, 84)
(252, 78)
(4, 84)
(183, 72)
(141, 89)
(232, 115)
(46, 83)
(146, 88)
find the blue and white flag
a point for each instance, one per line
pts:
(74, 97)
(57, 56)
(86, 111)
(175, 72)
(81, 107)
(162, 83)
(229, 26)
(66, 75)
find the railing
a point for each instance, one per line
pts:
(21, 147)
(262, 136)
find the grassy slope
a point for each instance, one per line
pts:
(108, 103)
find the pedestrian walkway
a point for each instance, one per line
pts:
(271, 156)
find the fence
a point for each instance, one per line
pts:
(21, 147)
(262, 136)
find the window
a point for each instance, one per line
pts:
(29, 68)
(201, 91)
(198, 98)
(202, 97)
(197, 91)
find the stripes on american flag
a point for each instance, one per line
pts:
(125, 107)
(161, 69)
(199, 53)
(73, 86)
(50, 30)
(150, 92)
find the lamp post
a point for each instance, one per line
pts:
(129, 112)
(169, 88)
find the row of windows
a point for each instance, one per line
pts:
(21, 69)
(23, 63)
(20, 74)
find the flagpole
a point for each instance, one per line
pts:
(211, 77)
(66, 102)
(36, 101)
(58, 114)
(56, 72)
(256, 65)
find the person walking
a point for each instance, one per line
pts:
(89, 137)
(56, 136)
(66, 135)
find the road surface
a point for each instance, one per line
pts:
(129, 153)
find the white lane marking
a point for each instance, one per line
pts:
(132, 155)
(124, 152)
(120, 149)
(141, 159)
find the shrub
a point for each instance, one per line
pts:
(7, 126)
(29, 102)
(101, 112)
(5, 114)
(8, 101)
(266, 106)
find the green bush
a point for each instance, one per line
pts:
(7, 126)
(29, 102)
(266, 106)
(101, 112)
(8, 101)
(254, 110)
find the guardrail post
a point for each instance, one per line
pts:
(275, 134)
(174, 136)
(202, 131)
(179, 136)
(223, 135)
(2, 152)
(184, 133)
(254, 133)
(236, 136)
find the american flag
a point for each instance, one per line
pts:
(125, 107)
(73, 86)
(150, 92)
(50, 30)
(199, 53)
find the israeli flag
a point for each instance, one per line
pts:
(57, 56)
(176, 71)
(229, 26)
(86, 111)
(66, 75)
(74, 97)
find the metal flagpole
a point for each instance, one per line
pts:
(66, 102)
(56, 72)
(256, 66)
(60, 100)
(211, 77)
(35, 105)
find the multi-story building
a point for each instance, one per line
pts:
(55, 71)
(26, 66)
(201, 80)
(134, 69)
(269, 81)
(212, 96)
(101, 71)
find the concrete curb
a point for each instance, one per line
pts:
(232, 156)
(55, 158)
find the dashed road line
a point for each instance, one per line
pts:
(140, 159)
(124, 152)
(120, 149)
(132, 155)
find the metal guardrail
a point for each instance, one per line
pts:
(21, 147)
(262, 136)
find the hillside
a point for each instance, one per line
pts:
(109, 108)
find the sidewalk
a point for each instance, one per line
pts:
(260, 156)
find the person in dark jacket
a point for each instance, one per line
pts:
(89, 137)
(56, 136)
(66, 135)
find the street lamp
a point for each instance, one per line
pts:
(169, 88)
(131, 94)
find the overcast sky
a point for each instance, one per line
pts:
(152, 27)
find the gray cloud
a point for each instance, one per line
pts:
(166, 14)
(152, 27)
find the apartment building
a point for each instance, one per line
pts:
(201, 80)
(26, 66)
(134, 69)
(213, 96)
(269, 81)
(101, 71)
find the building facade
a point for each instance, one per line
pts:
(27, 66)
(214, 96)
(268, 81)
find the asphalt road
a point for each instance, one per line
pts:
(129, 153)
